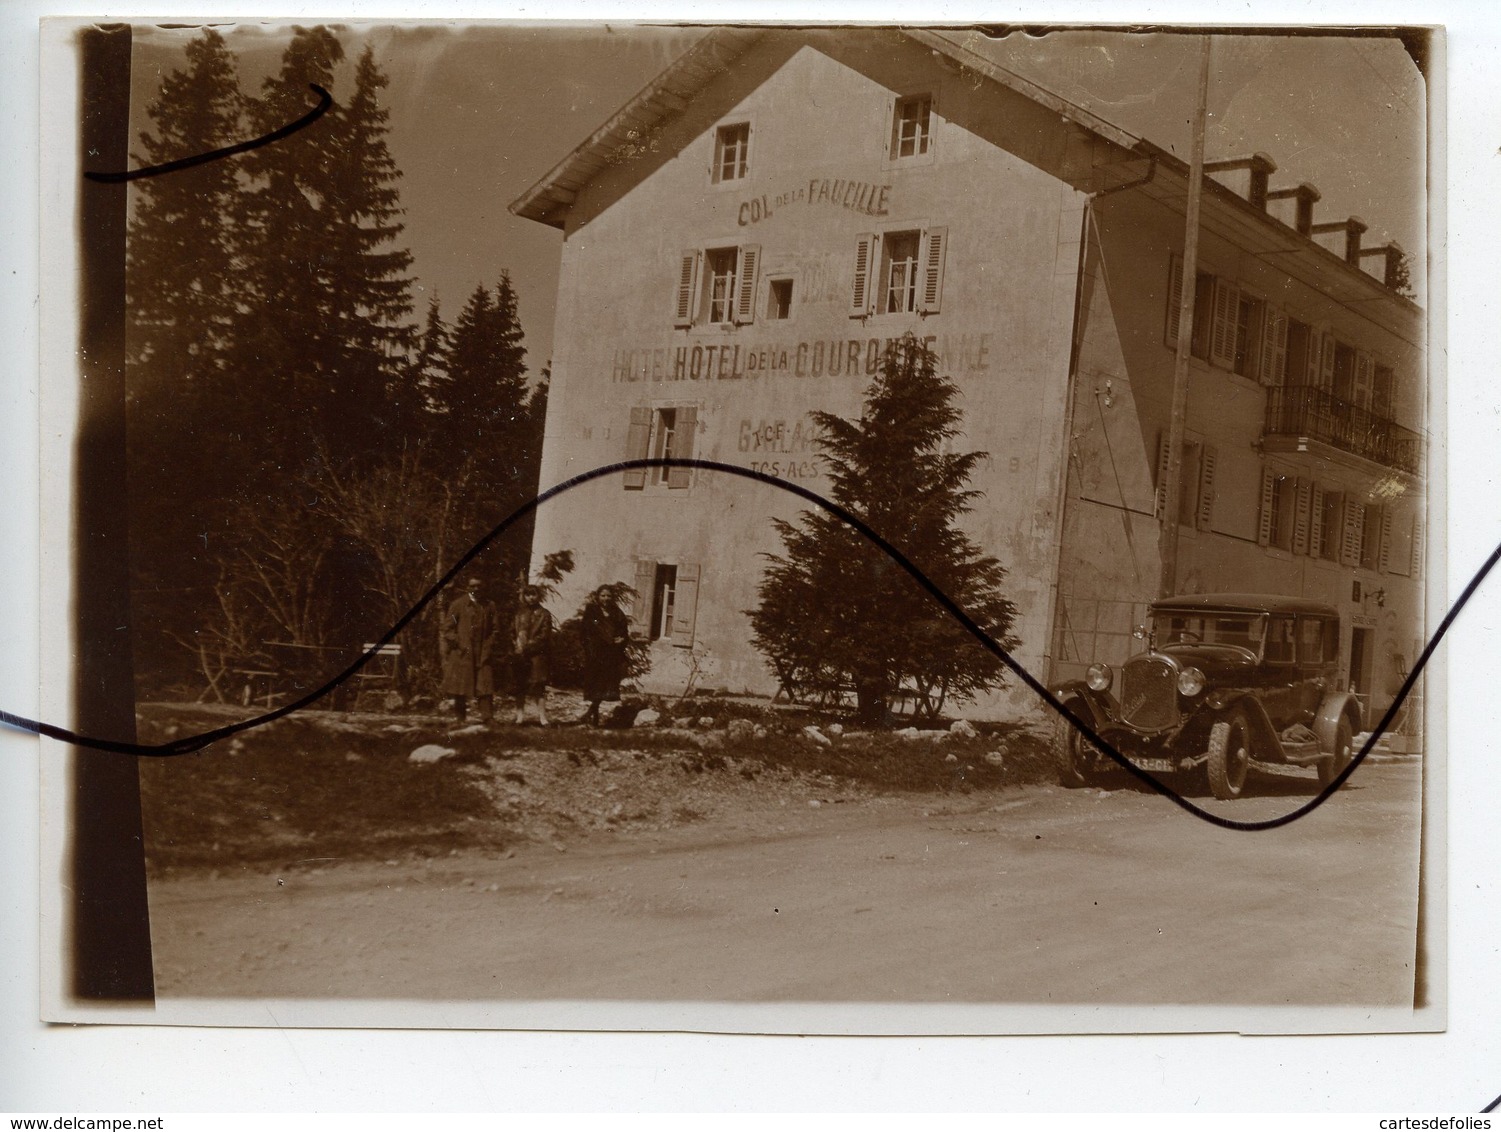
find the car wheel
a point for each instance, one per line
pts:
(1078, 758)
(1344, 750)
(1229, 756)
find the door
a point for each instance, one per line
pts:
(1360, 666)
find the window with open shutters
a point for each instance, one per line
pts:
(666, 604)
(1200, 334)
(662, 433)
(1352, 532)
(1271, 364)
(899, 272)
(717, 286)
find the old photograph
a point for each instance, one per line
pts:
(768, 528)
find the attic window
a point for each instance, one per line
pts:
(732, 152)
(911, 126)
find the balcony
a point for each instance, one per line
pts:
(1310, 413)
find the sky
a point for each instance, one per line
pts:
(480, 112)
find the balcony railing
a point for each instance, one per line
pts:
(1306, 410)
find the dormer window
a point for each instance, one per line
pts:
(912, 126)
(732, 152)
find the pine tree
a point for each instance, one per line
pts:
(181, 277)
(835, 612)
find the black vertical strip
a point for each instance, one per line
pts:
(111, 933)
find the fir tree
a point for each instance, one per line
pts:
(835, 612)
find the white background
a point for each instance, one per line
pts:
(152, 1069)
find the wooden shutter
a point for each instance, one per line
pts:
(1316, 521)
(687, 296)
(1364, 380)
(750, 278)
(1174, 301)
(1313, 364)
(1381, 392)
(1326, 365)
(685, 605)
(1264, 528)
(1208, 458)
(683, 437)
(1224, 315)
(636, 446)
(1417, 546)
(935, 244)
(1354, 531)
(865, 269)
(1383, 553)
(1160, 506)
(1301, 521)
(1271, 366)
(646, 578)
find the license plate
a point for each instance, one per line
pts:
(1162, 766)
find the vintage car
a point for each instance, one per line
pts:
(1226, 679)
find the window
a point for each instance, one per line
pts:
(723, 264)
(1318, 640)
(1281, 640)
(666, 605)
(779, 300)
(1197, 471)
(717, 286)
(912, 126)
(1286, 507)
(731, 152)
(1331, 526)
(1375, 537)
(1231, 329)
(664, 433)
(1302, 353)
(899, 273)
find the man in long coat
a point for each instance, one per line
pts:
(470, 636)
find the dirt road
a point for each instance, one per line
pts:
(1030, 895)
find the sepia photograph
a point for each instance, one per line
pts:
(760, 528)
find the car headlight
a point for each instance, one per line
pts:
(1190, 681)
(1099, 677)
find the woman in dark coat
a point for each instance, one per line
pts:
(605, 634)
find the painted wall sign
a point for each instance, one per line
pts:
(838, 357)
(857, 196)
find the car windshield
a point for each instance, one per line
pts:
(1184, 628)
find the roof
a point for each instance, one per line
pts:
(1158, 173)
(1247, 603)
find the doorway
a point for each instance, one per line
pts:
(1360, 667)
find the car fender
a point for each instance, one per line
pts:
(1268, 744)
(1102, 705)
(1333, 707)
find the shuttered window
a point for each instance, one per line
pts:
(1208, 460)
(641, 607)
(637, 444)
(687, 292)
(1302, 516)
(1353, 530)
(1224, 315)
(684, 431)
(750, 273)
(1316, 521)
(899, 272)
(1271, 366)
(1383, 556)
(1416, 566)
(860, 295)
(935, 249)
(685, 605)
(1268, 507)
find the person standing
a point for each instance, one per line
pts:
(605, 634)
(533, 645)
(470, 634)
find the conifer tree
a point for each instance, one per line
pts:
(835, 612)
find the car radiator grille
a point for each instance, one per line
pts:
(1149, 694)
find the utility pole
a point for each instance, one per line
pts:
(1172, 495)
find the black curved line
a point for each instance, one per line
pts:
(193, 743)
(1492, 1106)
(325, 102)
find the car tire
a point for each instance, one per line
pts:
(1077, 757)
(1344, 751)
(1229, 756)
